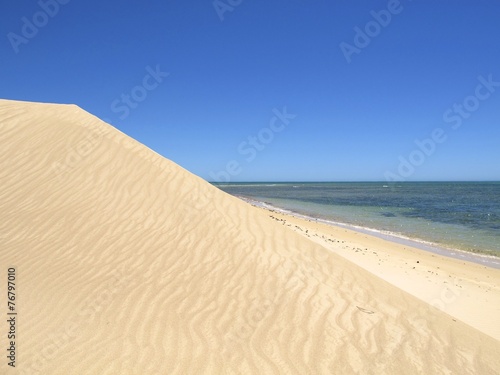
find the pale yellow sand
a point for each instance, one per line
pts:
(128, 264)
(465, 290)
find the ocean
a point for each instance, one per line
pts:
(452, 215)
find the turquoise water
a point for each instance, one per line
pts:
(456, 215)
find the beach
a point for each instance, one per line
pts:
(126, 263)
(436, 215)
(469, 291)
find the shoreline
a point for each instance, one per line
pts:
(490, 261)
(467, 291)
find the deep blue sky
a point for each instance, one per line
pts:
(354, 120)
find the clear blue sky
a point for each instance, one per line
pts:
(360, 104)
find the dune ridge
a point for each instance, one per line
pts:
(129, 264)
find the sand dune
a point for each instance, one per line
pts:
(128, 264)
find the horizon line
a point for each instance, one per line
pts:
(348, 181)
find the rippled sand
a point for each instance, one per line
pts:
(128, 264)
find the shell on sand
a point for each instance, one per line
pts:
(128, 264)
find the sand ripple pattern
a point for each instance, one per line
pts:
(128, 264)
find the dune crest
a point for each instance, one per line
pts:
(128, 264)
